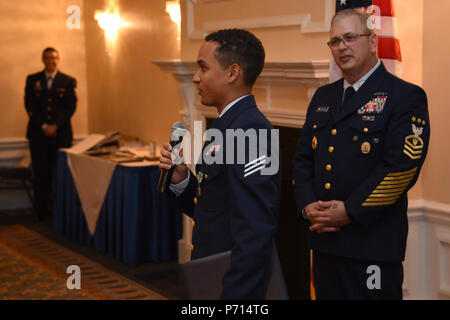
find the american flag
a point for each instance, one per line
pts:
(388, 43)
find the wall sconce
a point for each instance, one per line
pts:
(174, 11)
(109, 20)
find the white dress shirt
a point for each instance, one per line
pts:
(358, 84)
(50, 80)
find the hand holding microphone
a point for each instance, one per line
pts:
(166, 163)
(171, 172)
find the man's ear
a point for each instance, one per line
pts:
(373, 40)
(234, 72)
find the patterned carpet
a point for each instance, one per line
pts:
(33, 267)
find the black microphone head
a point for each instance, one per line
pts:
(179, 129)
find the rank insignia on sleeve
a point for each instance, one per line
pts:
(413, 143)
(390, 189)
(376, 105)
(255, 165)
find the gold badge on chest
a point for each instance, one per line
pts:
(314, 143)
(365, 147)
(199, 180)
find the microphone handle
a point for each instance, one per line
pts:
(166, 175)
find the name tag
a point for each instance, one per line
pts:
(368, 118)
(322, 109)
(380, 93)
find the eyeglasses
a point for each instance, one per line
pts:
(346, 39)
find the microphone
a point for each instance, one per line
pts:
(178, 131)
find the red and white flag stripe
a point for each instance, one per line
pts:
(388, 44)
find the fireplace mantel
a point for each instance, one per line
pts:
(282, 91)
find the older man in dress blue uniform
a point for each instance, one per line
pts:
(234, 205)
(362, 147)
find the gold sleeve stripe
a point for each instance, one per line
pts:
(374, 204)
(400, 177)
(395, 183)
(382, 199)
(381, 195)
(391, 188)
(393, 174)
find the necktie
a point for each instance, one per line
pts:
(349, 92)
(49, 82)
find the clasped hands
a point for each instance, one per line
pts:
(327, 216)
(50, 130)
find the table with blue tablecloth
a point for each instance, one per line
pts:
(136, 224)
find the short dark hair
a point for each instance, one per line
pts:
(49, 49)
(240, 47)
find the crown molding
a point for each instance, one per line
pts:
(300, 20)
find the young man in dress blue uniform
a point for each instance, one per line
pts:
(50, 102)
(234, 204)
(361, 149)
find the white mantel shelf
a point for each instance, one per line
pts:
(303, 75)
(316, 69)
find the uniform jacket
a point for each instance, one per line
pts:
(54, 106)
(367, 154)
(233, 212)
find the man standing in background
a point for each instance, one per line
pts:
(50, 101)
(361, 149)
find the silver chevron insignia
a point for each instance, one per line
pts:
(255, 165)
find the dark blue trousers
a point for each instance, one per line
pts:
(339, 278)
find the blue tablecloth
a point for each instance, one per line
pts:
(136, 223)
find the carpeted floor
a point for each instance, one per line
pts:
(43, 276)
(34, 267)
